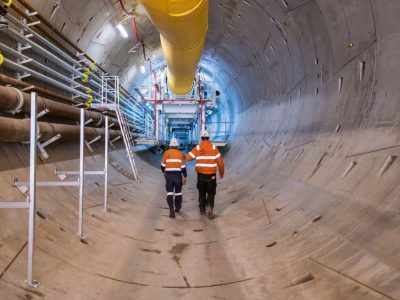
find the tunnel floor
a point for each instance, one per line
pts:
(253, 249)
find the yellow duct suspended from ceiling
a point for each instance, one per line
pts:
(183, 25)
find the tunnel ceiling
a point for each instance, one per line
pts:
(276, 54)
(309, 65)
(271, 45)
(309, 207)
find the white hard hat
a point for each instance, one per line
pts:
(174, 142)
(205, 134)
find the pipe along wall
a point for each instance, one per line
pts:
(11, 99)
(309, 208)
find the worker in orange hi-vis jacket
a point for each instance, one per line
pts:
(174, 170)
(207, 158)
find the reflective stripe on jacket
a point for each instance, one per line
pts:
(173, 161)
(207, 158)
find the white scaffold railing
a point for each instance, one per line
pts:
(33, 184)
(30, 203)
(110, 85)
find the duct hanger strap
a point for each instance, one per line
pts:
(18, 109)
(100, 121)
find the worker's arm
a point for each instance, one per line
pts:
(220, 164)
(183, 168)
(192, 154)
(163, 163)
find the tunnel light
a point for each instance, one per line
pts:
(122, 31)
(143, 69)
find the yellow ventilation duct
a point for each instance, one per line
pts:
(183, 25)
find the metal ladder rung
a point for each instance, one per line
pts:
(127, 137)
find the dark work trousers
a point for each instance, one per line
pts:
(207, 186)
(174, 188)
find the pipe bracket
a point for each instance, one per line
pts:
(18, 109)
(41, 146)
(88, 144)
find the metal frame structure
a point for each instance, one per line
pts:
(168, 106)
(62, 174)
(30, 202)
(67, 77)
(110, 85)
(79, 183)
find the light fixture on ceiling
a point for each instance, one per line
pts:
(134, 48)
(143, 69)
(122, 31)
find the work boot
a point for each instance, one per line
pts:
(177, 210)
(209, 211)
(172, 214)
(202, 212)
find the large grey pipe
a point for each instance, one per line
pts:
(12, 99)
(15, 130)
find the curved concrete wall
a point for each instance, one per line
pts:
(309, 208)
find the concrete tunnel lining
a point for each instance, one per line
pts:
(313, 89)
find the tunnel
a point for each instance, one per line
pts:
(309, 206)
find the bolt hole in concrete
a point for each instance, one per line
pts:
(41, 215)
(159, 229)
(271, 245)
(177, 234)
(151, 250)
(316, 219)
(178, 248)
(197, 230)
(303, 279)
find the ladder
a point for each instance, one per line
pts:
(110, 94)
(128, 140)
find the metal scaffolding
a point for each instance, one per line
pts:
(32, 185)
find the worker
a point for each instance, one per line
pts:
(207, 158)
(174, 170)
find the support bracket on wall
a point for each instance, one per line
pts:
(42, 146)
(88, 144)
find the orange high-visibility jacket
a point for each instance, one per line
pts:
(173, 161)
(207, 158)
